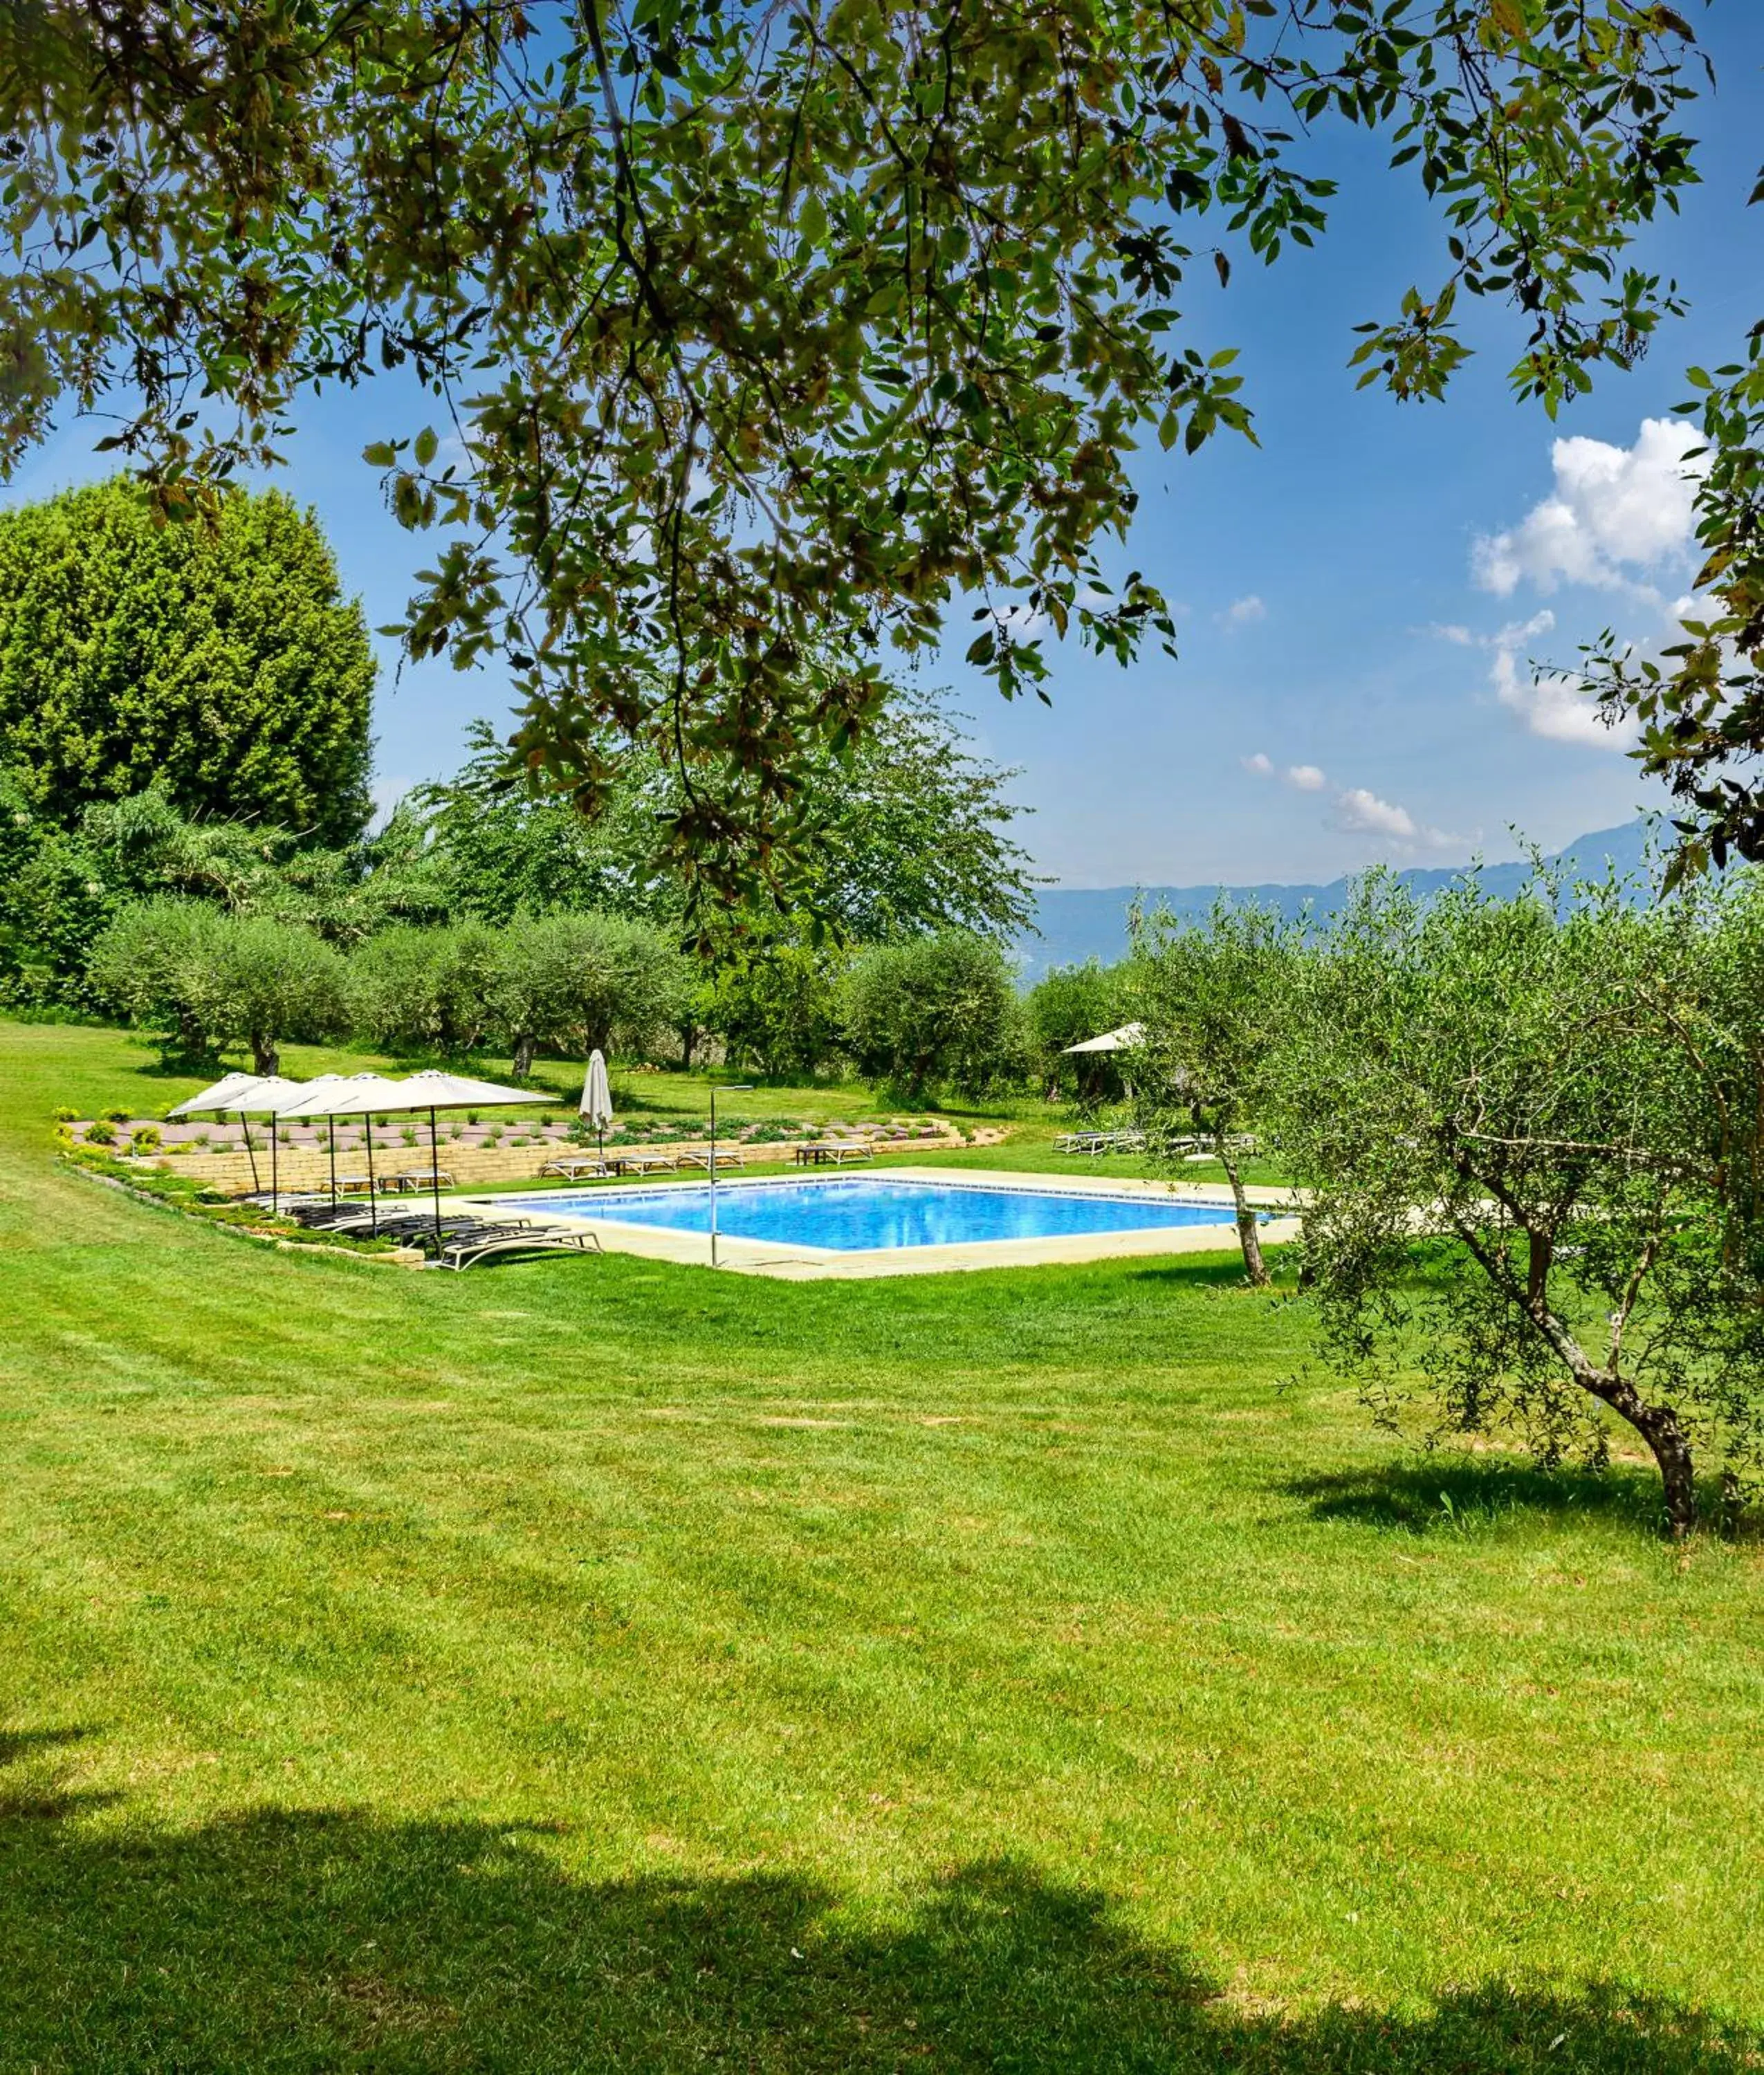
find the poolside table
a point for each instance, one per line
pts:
(412, 1179)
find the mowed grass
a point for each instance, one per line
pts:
(582, 1665)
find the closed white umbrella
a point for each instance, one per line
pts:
(596, 1105)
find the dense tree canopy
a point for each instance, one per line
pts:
(906, 831)
(219, 662)
(773, 338)
(935, 1009)
(200, 979)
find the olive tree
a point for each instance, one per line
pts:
(1531, 1133)
(155, 964)
(585, 981)
(1214, 1001)
(938, 1008)
(1067, 1005)
(206, 978)
(412, 989)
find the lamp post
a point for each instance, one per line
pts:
(734, 1088)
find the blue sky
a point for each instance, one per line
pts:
(1360, 598)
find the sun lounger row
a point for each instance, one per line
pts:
(1100, 1141)
(464, 1239)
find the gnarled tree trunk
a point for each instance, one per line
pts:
(1249, 1238)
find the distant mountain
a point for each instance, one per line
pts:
(1079, 922)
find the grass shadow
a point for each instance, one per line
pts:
(1449, 1494)
(328, 1939)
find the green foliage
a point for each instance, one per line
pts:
(100, 1132)
(220, 662)
(904, 830)
(275, 979)
(775, 1005)
(587, 982)
(797, 339)
(155, 964)
(1567, 1104)
(1701, 706)
(55, 900)
(198, 979)
(937, 1009)
(58, 888)
(423, 990)
(1067, 1005)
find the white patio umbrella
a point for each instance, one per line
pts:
(247, 1094)
(308, 1092)
(1128, 1039)
(332, 1095)
(596, 1105)
(217, 1097)
(432, 1091)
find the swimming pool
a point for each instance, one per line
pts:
(863, 1215)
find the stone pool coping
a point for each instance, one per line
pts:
(802, 1264)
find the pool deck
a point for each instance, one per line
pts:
(805, 1264)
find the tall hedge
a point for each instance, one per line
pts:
(225, 661)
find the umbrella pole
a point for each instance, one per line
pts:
(275, 1169)
(373, 1186)
(244, 1125)
(434, 1178)
(330, 1142)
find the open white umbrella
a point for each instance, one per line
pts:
(596, 1105)
(1128, 1039)
(248, 1095)
(219, 1096)
(333, 1096)
(434, 1091)
(367, 1094)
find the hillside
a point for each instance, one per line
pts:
(1078, 923)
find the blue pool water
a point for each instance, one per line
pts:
(853, 1217)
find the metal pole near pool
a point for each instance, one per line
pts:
(735, 1088)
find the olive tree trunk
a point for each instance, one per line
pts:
(1248, 1236)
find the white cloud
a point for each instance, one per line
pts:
(1614, 510)
(1553, 704)
(1241, 611)
(1365, 814)
(1459, 637)
(1303, 777)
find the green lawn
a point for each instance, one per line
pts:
(584, 1665)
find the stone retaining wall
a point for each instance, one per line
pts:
(472, 1167)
